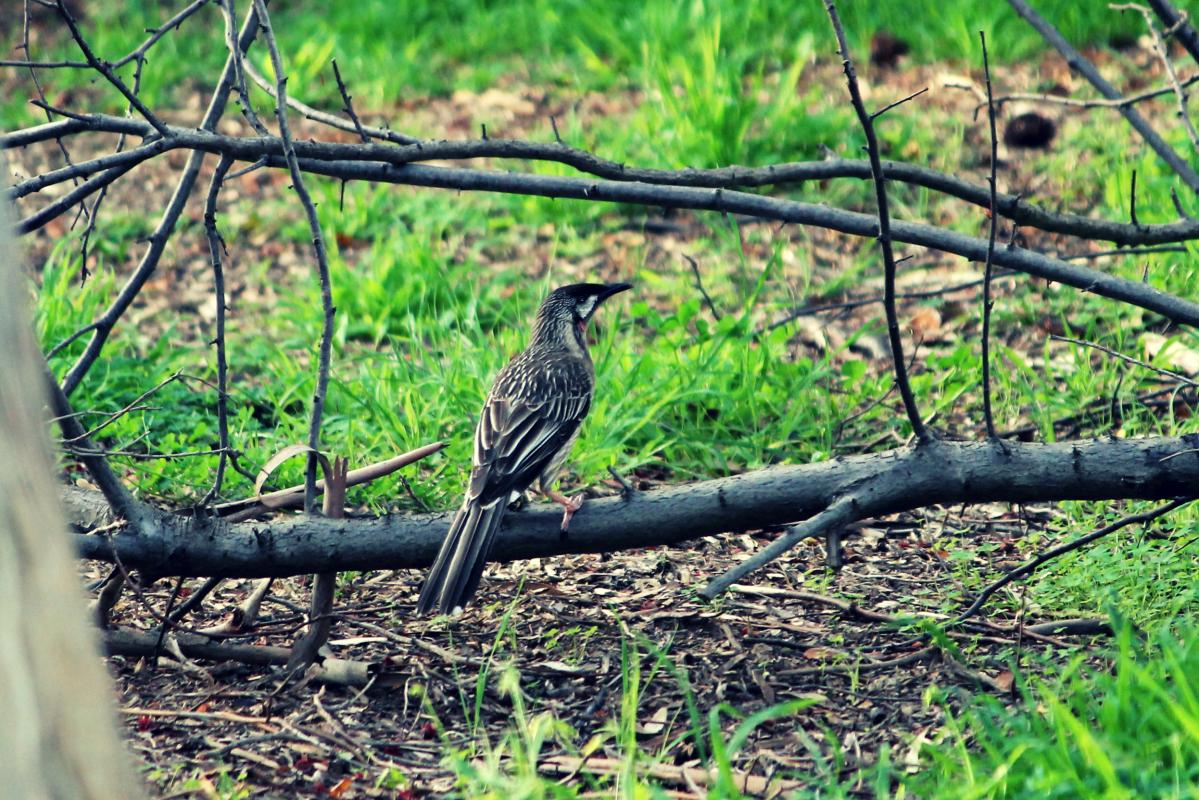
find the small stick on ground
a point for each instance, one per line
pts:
(837, 515)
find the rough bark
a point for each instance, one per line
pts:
(59, 736)
(938, 472)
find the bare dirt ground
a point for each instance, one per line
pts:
(784, 637)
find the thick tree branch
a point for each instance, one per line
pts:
(938, 472)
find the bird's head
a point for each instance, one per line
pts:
(570, 307)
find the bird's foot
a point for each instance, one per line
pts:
(569, 506)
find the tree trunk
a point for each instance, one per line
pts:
(58, 738)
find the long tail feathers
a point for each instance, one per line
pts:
(459, 565)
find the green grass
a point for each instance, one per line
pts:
(1126, 728)
(387, 50)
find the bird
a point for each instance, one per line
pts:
(527, 427)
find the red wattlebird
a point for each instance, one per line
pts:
(528, 425)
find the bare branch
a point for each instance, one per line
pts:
(136, 54)
(318, 246)
(884, 229)
(332, 120)
(348, 105)
(215, 246)
(239, 74)
(1013, 207)
(1081, 65)
(834, 518)
(1134, 292)
(1165, 373)
(107, 71)
(122, 502)
(1175, 20)
(992, 229)
(1163, 54)
(938, 472)
(1076, 102)
(102, 327)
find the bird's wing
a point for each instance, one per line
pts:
(517, 437)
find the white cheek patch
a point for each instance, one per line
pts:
(586, 307)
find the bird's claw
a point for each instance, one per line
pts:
(569, 506)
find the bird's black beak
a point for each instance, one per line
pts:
(611, 289)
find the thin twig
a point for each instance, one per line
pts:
(245, 102)
(106, 70)
(1125, 251)
(1132, 200)
(1030, 567)
(332, 120)
(348, 104)
(699, 282)
(37, 85)
(114, 416)
(122, 502)
(991, 232)
(1176, 21)
(318, 246)
(215, 247)
(1174, 376)
(846, 305)
(884, 228)
(899, 102)
(1075, 102)
(102, 327)
(1163, 54)
(165, 625)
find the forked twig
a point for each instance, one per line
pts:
(103, 326)
(1163, 54)
(318, 247)
(884, 228)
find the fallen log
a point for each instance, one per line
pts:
(936, 472)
